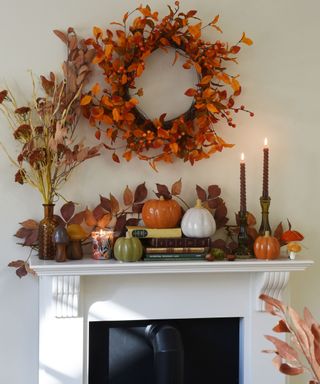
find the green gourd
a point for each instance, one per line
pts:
(128, 249)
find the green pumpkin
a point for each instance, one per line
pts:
(128, 249)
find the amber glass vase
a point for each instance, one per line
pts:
(46, 228)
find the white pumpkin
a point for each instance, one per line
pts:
(198, 222)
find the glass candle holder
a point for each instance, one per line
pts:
(102, 244)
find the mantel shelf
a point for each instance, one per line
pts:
(91, 267)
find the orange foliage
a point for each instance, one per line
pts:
(121, 56)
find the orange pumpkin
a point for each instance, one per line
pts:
(266, 247)
(160, 213)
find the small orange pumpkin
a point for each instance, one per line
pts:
(161, 213)
(266, 247)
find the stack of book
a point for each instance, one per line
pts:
(167, 244)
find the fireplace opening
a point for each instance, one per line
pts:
(175, 351)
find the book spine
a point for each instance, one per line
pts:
(143, 232)
(183, 250)
(175, 256)
(178, 242)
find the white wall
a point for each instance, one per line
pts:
(281, 85)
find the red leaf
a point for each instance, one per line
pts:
(281, 327)
(279, 231)
(77, 218)
(21, 271)
(289, 370)
(140, 193)
(30, 224)
(284, 349)
(22, 233)
(16, 263)
(190, 92)
(220, 212)
(120, 224)
(201, 193)
(67, 211)
(105, 203)
(114, 204)
(213, 191)
(32, 239)
(115, 158)
(163, 191)
(98, 212)
(137, 208)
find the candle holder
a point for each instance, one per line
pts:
(102, 244)
(244, 249)
(265, 226)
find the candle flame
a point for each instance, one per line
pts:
(242, 157)
(266, 142)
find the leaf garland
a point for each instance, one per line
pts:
(121, 55)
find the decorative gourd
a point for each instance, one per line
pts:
(198, 222)
(266, 247)
(161, 213)
(128, 249)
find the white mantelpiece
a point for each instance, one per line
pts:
(74, 293)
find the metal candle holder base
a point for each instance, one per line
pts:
(244, 250)
(265, 226)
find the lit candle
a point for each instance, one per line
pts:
(265, 184)
(243, 201)
(102, 244)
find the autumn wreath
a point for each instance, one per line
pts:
(121, 56)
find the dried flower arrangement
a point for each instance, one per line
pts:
(121, 57)
(302, 353)
(45, 128)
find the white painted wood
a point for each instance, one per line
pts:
(86, 267)
(66, 290)
(135, 291)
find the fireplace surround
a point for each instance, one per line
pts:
(73, 294)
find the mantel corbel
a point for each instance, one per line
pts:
(272, 284)
(65, 293)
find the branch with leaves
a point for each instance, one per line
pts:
(45, 128)
(302, 352)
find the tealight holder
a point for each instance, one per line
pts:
(244, 249)
(102, 244)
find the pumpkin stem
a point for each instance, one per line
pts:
(128, 235)
(161, 198)
(198, 204)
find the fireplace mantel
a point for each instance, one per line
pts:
(76, 292)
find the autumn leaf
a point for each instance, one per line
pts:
(105, 220)
(115, 207)
(195, 30)
(176, 188)
(67, 211)
(201, 193)
(86, 100)
(105, 203)
(190, 92)
(97, 32)
(235, 85)
(211, 108)
(246, 40)
(127, 196)
(115, 158)
(89, 218)
(95, 89)
(140, 193)
(29, 224)
(206, 80)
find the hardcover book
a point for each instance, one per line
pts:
(174, 256)
(183, 242)
(144, 232)
(183, 250)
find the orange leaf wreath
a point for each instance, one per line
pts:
(121, 56)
